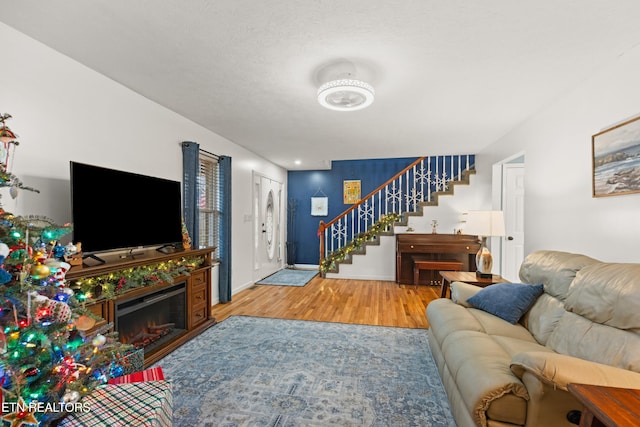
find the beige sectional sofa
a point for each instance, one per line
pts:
(584, 328)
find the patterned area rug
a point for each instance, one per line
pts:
(248, 371)
(287, 277)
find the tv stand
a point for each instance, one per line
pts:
(131, 254)
(94, 257)
(198, 293)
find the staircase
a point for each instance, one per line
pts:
(376, 215)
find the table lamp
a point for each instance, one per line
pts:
(484, 224)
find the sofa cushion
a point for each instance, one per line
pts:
(445, 317)
(543, 316)
(608, 294)
(509, 301)
(554, 269)
(602, 323)
(515, 346)
(495, 326)
(579, 337)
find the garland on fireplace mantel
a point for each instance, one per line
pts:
(110, 285)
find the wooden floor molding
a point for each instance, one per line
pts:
(363, 302)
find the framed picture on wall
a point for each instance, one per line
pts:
(319, 206)
(351, 191)
(616, 159)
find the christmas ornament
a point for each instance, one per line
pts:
(5, 276)
(21, 417)
(59, 311)
(99, 340)
(7, 139)
(70, 396)
(58, 269)
(84, 323)
(186, 240)
(5, 381)
(70, 249)
(62, 296)
(117, 371)
(39, 271)
(31, 373)
(58, 251)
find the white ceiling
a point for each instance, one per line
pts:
(450, 76)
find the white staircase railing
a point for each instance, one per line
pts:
(415, 186)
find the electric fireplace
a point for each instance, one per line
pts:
(151, 320)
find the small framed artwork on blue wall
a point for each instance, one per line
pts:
(351, 191)
(616, 159)
(319, 206)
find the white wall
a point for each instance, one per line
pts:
(450, 209)
(64, 111)
(560, 212)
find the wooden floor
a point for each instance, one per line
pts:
(365, 302)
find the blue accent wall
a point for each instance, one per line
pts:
(305, 184)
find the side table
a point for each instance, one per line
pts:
(467, 277)
(607, 406)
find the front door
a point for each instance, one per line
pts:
(266, 226)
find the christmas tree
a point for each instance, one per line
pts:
(51, 352)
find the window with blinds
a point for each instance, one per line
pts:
(209, 201)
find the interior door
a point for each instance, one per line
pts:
(266, 226)
(513, 208)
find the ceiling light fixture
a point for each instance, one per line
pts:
(346, 95)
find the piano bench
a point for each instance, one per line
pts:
(420, 262)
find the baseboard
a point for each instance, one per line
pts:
(360, 277)
(306, 266)
(243, 287)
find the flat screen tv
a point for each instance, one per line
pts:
(113, 210)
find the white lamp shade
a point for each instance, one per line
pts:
(485, 223)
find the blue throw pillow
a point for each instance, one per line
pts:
(508, 301)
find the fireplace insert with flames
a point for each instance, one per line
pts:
(151, 320)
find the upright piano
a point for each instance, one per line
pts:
(460, 247)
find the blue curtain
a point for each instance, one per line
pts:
(190, 172)
(224, 251)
